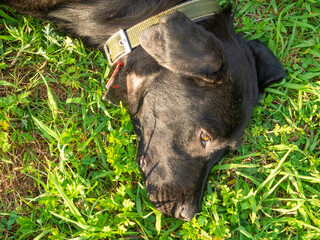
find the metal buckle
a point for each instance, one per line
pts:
(124, 42)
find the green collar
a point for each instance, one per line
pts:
(121, 43)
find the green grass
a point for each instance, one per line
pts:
(67, 159)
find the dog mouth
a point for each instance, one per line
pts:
(142, 164)
(180, 210)
(173, 202)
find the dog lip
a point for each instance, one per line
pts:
(180, 210)
(142, 164)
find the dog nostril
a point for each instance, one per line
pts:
(151, 188)
(187, 212)
(184, 214)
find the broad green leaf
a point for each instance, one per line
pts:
(45, 129)
(67, 200)
(51, 99)
(5, 83)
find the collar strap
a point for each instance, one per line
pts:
(122, 42)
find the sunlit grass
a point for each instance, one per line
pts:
(67, 159)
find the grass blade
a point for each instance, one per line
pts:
(45, 129)
(67, 200)
(51, 99)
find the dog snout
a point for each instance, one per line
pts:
(172, 203)
(185, 211)
(181, 210)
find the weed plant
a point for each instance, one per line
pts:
(67, 159)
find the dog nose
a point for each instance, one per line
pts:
(186, 211)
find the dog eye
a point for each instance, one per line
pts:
(205, 138)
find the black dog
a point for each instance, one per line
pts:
(190, 87)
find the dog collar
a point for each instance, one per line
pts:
(122, 42)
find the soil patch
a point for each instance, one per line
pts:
(15, 184)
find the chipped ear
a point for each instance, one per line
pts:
(184, 47)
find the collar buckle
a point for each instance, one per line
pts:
(117, 44)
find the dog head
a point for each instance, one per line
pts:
(190, 103)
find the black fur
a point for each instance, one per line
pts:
(187, 79)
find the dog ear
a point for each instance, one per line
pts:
(269, 69)
(182, 46)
